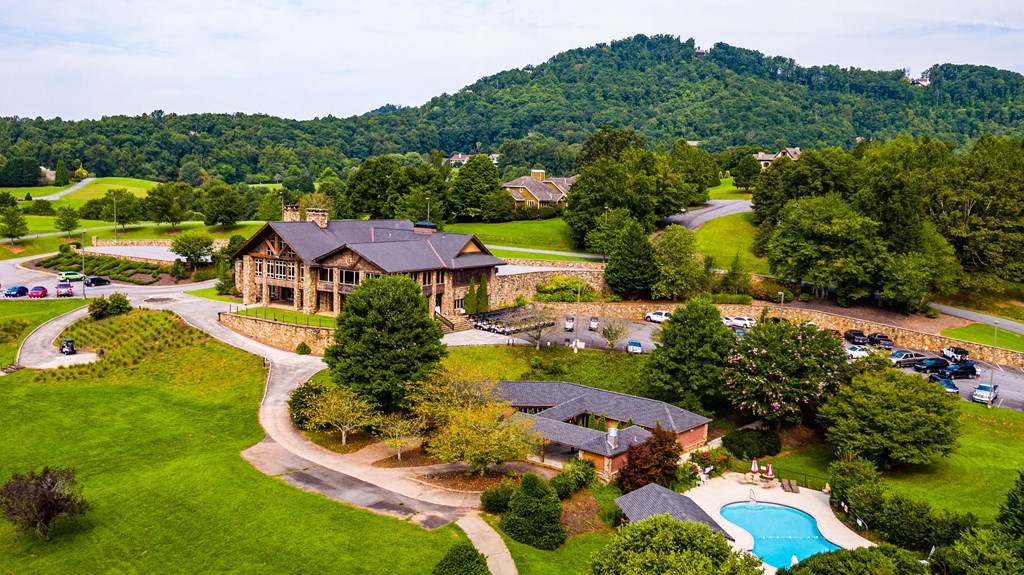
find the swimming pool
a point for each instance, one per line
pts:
(779, 532)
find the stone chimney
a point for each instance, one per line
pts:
(537, 175)
(291, 214)
(613, 437)
(318, 215)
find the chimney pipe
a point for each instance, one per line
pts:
(613, 437)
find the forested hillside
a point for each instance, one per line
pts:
(655, 85)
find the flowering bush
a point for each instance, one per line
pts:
(719, 457)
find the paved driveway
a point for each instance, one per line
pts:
(697, 217)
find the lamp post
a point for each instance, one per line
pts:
(992, 368)
(428, 208)
(606, 231)
(83, 263)
(782, 298)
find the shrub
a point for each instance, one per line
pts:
(178, 270)
(565, 288)
(719, 457)
(300, 398)
(495, 500)
(739, 298)
(99, 308)
(653, 461)
(932, 312)
(11, 328)
(768, 290)
(226, 285)
(847, 473)
(804, 297)
(34, 501)
(462, 559)
(750, 443)
(302, 348)
(563, 485)
(686, 478)
(534, 515)
(581, 471)
(520, 300)
(118, 304)
(205, 274)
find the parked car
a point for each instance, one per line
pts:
(38, 292)
(931, 365)
(965, 370)
(70, 276)
(906, 358)
(657, 316)
(857, 352)
(855, 336)
(16, 291)
(96, 281)
(945, 382)
(570, 323)
(743, 322)
(726, 321)
(985, 393)
(880, 340)
(634, 346)
(65, 290)
(740, 333)
(593, 323)
(955, 354)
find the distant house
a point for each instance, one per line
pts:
(767, 159)
(700, 53)
(314, 264)
(536, 190)
(922, 81)
(461, 159)
(564, 413)
(653, 499)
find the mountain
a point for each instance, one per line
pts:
(657, 85)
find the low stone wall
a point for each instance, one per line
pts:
(901, 336)
(594, 265)
(97, 242)
(502, 290)
(124, 257)
(285, 336)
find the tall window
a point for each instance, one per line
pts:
(439, 277)
(348, 277)
(326, 274)
(257, 266)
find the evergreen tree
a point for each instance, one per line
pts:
(736, 279)
(1010, 519)
(632, 268)
(482, 300)
(60, 174)
(680, 272)
(469, 302)
(473, 183)
(746, 172)
(534, 514)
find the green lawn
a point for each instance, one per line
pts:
(41, 224)
(156, 446)
(723, 237)
(36, 191)
(975, 478)
(211, 293)
(572, 558)
(98, 188)
(728, 191)
(505, 254)
(35, 312)
(550, 234)
(289, 316)
(1007, 301)
(983, 334)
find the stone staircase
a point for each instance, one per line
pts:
(10, 368)
(452, 324)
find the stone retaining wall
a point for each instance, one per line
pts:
(162, 263)
(285, 336)
(97, 242)
(502, 290)
(594, 265)
(901, 336)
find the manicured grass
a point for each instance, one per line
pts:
(613, 371)
(728, 191)
(35, 246)
(572, 558)
(156, 446)
(98, 188)
(723, 237)
(975, 478)
(983, 334)
(211, 293)
(289, 316)
(552, 234)
(505, 254)
(35, 312)
(36, 191)
(41, 224)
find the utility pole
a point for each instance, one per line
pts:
(83, 263)
(428, 208)
(114, 195)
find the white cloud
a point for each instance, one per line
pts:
(307, 58)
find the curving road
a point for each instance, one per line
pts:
(62, 193)
(697, 217)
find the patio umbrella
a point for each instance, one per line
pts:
(753, 466)
(768, 473)
(793, 561)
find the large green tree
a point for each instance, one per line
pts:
(195, 246)
(983, 552)
(13, 224)
(1010, 519)
(386, 340)
(746, 171)
(608, 143)
(891, 417)
(660, 544)
(885, 558)
(680, 271)
(694, 349)
(223, 205)
(474, 182)
(66, 219)
(632, 269)
(122, 207)
(269, 208)
(369, 187)
(169, 202)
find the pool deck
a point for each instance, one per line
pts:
(727, 489)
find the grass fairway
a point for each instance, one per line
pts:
(572, 558)
(550, 234)
(723, 237)
(975, 478)
(211, 293)
(42, 224)
(35, 312)
(506, 254)
(36, 191)
(155, 440)
(983, 334)
(98, 188)
(728, 191)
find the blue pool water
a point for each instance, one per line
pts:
(779, 532)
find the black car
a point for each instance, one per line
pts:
(965, 370)
(96, 281)
(945, 382)
(855, 336)
(931, 365)
(906, 358)
(880, 340)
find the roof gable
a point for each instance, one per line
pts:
(653, 499)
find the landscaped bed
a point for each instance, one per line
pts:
(139, 273)
(466, 481)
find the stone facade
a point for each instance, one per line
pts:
(594, 265)
(97, 242)
(503, 289)
(124, 257)
(286, 336)
(901, 336)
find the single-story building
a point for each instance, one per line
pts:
(653, 499)
(537, 190)
(564, 415)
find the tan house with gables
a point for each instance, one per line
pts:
(537, 191)
(313, 265)
(766, 159)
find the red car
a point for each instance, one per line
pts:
(38, 291)
(65, 290)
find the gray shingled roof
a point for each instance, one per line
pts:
(653, 499)
(563, 184)
(566, 400)
(539, 189)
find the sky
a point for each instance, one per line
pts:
(303, 59)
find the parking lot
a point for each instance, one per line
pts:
(1009, 380)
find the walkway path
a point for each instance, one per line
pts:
(1007, 324)
(62, 193)
(697, 217)
(546, 252)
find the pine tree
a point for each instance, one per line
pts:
(482, 303)
(469, 302)
(632, 269)
(1010, 519)
(602, 423)
(60, 177)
